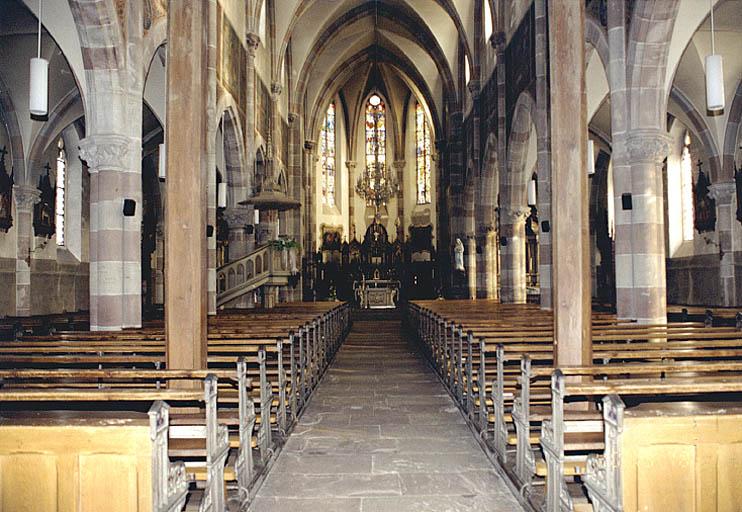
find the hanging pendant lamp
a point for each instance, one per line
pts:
(714, 74)
(39, 81)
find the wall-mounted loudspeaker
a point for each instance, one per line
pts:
(130, 207)
(503, 241)
(545, 226)
(209, 231)
(626, 201)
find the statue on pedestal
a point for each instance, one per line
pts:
(459, 255)
(43, 212)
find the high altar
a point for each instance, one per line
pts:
(377, 293)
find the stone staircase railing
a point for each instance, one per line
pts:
(265, 266)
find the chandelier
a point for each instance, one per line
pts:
(375, 187)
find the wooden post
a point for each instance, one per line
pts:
(571, 250)
(185, 213)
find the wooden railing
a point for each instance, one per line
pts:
(266, 265)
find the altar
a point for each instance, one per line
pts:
(377, 293)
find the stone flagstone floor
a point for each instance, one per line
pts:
(382, 434)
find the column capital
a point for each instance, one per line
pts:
(723, 193)
(399, 164)
(497, 41)
(276, 90)
(474, 88)
(108, 152)
(25, 196)
(351, 164)
(293, 117)
(309, 145)
(512, 215)
(253, 41)
(239, 217)
(647, 146)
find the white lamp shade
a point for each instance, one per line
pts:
(39, 87)
(714, 83)
(162, 162)
(221, 195)
(590, 157)
(532, 193)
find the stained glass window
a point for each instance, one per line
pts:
(422, 153)
(686, 183)
(375, 136)
(327, 149)
(59, 203)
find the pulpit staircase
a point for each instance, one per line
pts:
(265, 266)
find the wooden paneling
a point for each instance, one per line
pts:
(682, 463)
(76, 468)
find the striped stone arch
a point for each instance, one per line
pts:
(101, 43)
(701, 128)
(236, 173)
(488, 186)
(596, 36)
(650, 34)
(514, 187)
(10, 120)
(732, 134)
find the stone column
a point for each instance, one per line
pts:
(620, 157)
(490, 262)
(513, 253)
(253, 42)
(570, 240)
(185, 212)
(25, 197)
(115, 240)
(471, 267)
(398, 166)
(725, 195)
(543, 148)
(159, 266)
(240, 243)
(211, 131)
(647, 149)
(351, 166)
(311, 238)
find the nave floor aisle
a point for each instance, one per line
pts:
(382, 434)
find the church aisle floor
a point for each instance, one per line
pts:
(382, 434)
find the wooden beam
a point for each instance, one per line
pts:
(185, 212)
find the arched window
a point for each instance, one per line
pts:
(686, 184)
(375, 135)
(422, 153)
(327, 150)
(59, 203)
(487, 11)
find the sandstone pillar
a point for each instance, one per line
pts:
(398, 167)
(351, 166)
(570, 240)
(471, 267)
(185, 212)
(25, 197)
(543, 148)
(310, 243)
(115, 240)
(490, 262)
(725, 195)
(647, 149)
(513, 254)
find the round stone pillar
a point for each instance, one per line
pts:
(115, 240)
(490, 263)
(471, 267)
(648, 291)
(25, 197)
(513, 254)
(725, 195)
